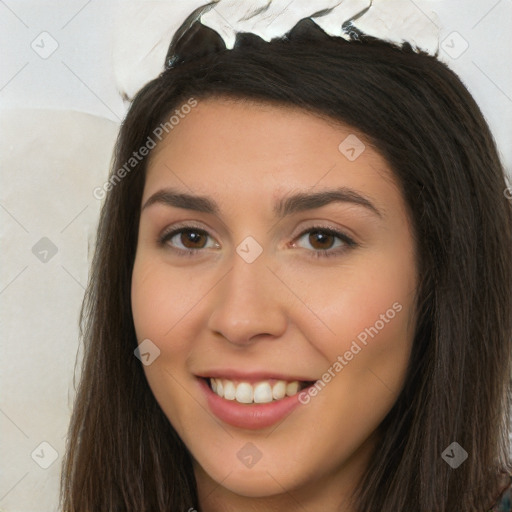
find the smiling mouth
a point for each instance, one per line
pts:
(262, 392)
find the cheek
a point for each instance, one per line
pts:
(148, 301)
(368, 300)
(380, 303)
(375, 330)
(160, 300)
(160, 297)
(370, 311)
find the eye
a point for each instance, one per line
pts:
(323, 241)
(188, 239)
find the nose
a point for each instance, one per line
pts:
(248, 303)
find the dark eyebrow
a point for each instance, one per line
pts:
(308, 201)
(286, 206)
(171, 197)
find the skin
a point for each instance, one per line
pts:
(287, 311)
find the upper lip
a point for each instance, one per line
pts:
(250, 376)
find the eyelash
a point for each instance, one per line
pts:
(321, 253)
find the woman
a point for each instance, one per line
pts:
(307, 245)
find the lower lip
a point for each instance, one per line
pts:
(249, 416)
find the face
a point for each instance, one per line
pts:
(275, 257)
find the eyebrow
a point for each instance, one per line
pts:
(285, 206)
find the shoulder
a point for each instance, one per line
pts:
(504, 502)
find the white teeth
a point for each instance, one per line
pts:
(260, 393)
(279, 390)
(292, 388)
(229, 390)
(244, 393)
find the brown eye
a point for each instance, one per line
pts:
(321, 239)
(325, 242)
(187, 240)
(193, 239)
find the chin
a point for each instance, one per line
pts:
(263, 480)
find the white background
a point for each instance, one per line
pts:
(58, 120)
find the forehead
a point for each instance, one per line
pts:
(235, 147)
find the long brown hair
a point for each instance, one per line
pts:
(122, 452)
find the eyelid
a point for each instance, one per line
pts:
(332, 231)
(186, 224)
(347, 242)
(325, 226)
(172, 231)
